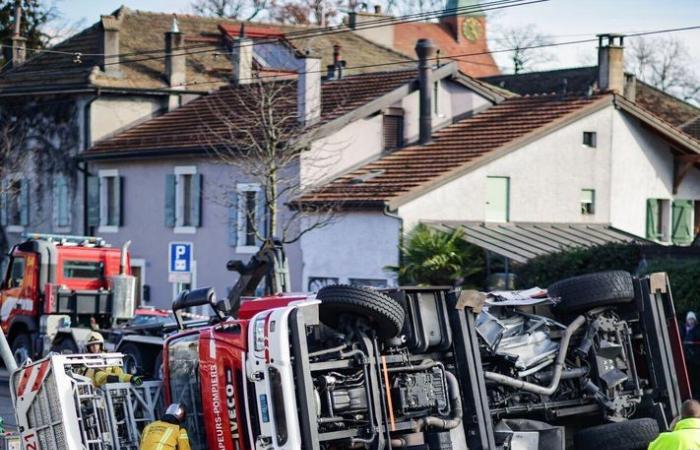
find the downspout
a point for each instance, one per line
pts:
(87, 139)
(388, 213)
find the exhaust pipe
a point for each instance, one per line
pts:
(558, 368)
(122, 260)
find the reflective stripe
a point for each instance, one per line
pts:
(164, 440)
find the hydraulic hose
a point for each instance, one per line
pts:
(455, 418)
(558, 368)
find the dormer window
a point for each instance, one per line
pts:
(393, 128)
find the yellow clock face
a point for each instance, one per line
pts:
(472, 29)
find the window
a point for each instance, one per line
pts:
(316, 283)
(183, 199)
(497, 199)
(393, 128)
(587, 202)
(14, 204)
(246, 217)
(368, 282)
(590, 139)
(658, 220)
(16, 273)
(109, 200)
(82, 269)
(61, 201)
(697, 217)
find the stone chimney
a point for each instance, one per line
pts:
(611, 63)
(15, 53)
(309, 89)
(110, 44)
(175, 59)
(242, 59)
(365, 24)
(425, 49)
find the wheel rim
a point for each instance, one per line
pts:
(130, 365)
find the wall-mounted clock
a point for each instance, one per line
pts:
(472, 29)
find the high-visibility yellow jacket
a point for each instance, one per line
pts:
(161, 435)
(685, 436)
(104, 375)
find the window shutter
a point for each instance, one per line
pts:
(260, 215)
(170, 200)
(119, 201)
(393, 131)
(652, 214)
(196, 200)
(24, 202)
(93, 201)
(233, 218)
(682, 222)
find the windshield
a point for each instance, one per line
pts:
(183, 368)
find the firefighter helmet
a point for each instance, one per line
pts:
(95, 338)
(177, 411)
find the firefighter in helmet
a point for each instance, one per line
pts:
(103, 375)
(168, 432)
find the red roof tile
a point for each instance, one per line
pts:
(452, 147)
(191, 127)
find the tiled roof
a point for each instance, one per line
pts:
(452, 148)
(192, 126)
(582, 79)
(145, 31)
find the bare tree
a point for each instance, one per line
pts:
(230, 9)
(258, 134)
(664, 63)
(12, 160)
(403, 7)
(524, 42)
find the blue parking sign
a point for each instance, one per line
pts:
(180, 260)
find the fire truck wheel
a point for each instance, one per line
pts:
(133, 359)
(384, 313)
(579, 294)
(628, 435)
(22, 348)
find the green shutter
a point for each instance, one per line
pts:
(652, 215)
(24, 202)
(170, 181)
(196, 200)
(93, 201)
(682, 229)
(119, 201)
(233, 218)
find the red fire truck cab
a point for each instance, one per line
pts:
(56, 288)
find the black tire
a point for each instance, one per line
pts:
(579, 294)
(384, 313)
(21, 348)
(628, 435)
(66, 346)
(133, 359)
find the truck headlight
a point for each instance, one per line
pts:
(259, 334)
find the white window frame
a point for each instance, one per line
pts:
(102, 174)
(13, 228)
(593, 202)
(141, 264)
(242, 188)
(179, 199)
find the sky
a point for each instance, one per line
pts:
(561, 20)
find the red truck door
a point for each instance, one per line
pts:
(18, 296)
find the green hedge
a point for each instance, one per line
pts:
(684, 273)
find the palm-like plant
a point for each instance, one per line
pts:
(434, 257)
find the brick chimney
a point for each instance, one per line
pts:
(242, 59)
(175, 59)
(611, 63)
(110, 44)
(335, 70)
(15, 53)
(309, 89)
(425, 49)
